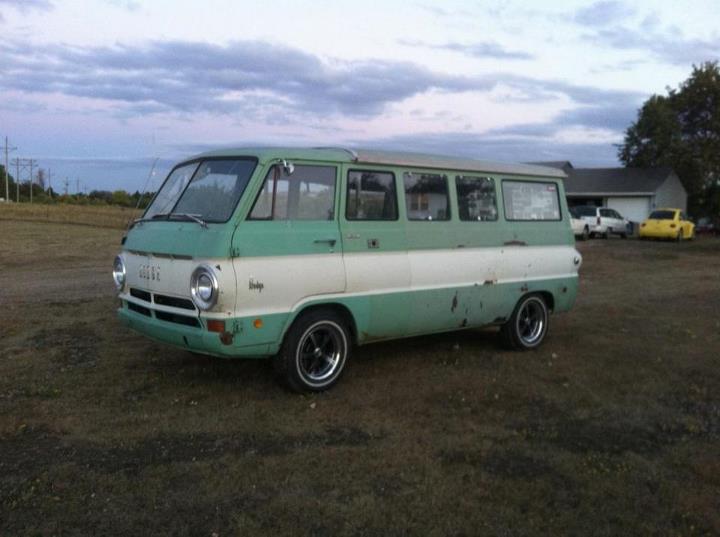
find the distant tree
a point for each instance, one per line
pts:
(682, 130)
(122, 198)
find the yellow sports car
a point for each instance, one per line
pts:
(667, 224)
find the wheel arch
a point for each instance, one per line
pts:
(340, 309)
(547, 297)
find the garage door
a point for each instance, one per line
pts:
(634, 209)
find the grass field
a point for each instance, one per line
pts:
(91, 215)
(611, 428)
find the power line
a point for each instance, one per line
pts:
(22, 164)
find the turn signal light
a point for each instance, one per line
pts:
(213, 325)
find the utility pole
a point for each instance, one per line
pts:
(66, 183)
(31, 164)
(49, 185)
(17, 180)
(7, 187)
(77, 186)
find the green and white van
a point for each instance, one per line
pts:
(300, 254)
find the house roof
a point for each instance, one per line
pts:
(605, 181)
(564, 165)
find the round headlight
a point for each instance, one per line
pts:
(119, 272)
(204, 287)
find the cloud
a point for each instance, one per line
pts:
(483, 49)
(129, 5)
(602, 13)
(201, 77)
(25, 5)
(499, 148)
(666, 45)
(614, 25)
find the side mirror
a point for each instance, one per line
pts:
(288, 167)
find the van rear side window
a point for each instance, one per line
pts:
(531, 201)
(307, 194)
(371, 196)
(476, 198)
(426, 196)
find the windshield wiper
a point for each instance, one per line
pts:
(188, 216)
(158, 216)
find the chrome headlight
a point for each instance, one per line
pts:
(119, 273)
(204, 287)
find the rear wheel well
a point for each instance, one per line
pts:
(549, 299)
(342, 311)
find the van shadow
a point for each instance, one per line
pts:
(258, 374)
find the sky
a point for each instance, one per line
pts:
(96, 90)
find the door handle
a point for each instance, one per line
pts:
(515, 243)
(331, 242)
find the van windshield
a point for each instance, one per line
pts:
(208, 190)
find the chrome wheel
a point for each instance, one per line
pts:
(320, 352)
(531, 322)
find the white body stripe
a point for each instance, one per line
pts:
(279, 284)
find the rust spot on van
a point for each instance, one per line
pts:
(524, 288)
(454, 304)
(464, 323)
(489, 282)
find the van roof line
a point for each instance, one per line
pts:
(351, 152)
(388, 158)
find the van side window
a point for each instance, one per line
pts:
(525, 200)
(307, 194)
(426, 196)
(476, 198)
(371, 196)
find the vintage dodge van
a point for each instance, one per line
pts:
(300, 254)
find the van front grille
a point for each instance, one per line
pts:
(139, 293)
(178, 319)
(162, 300)
(175, 302)
(139, 309)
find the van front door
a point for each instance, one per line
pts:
(289, 249)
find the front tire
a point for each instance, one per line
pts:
(527, 326)
(314, 352)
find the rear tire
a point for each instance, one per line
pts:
(314, 352)
(528, 324)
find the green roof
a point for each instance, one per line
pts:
(386, 158)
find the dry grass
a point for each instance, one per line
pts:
(611, 428)
(90, 215)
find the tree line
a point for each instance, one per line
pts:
(682, 130)
(41, 194)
